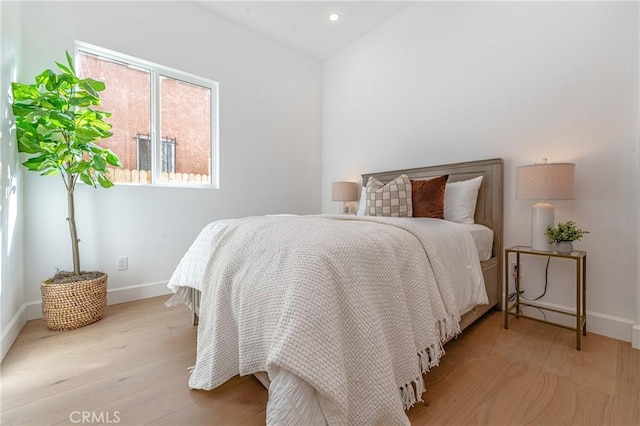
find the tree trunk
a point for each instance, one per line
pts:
(72, 229)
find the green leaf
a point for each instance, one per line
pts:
(81, 100)
(87, 178)
(64, 68)
(62, 119)
(20, 110)
(23, 126)
(46, 78)
(102, 125)
(24, 91)
(35, 163)
(50, 172)
(29, 144)
(34, 116)
(94, 148)
(46, 104)
(53, 99)
(57, 137)
(97, 85)
(61, 149)
(43, 131)
(86, 86)
(113, 159)
(70, 62)
(68, 79)
(87, 133)
(67, 159)
(79, 167)
(104, 181)
(99, 163)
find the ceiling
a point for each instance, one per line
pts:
(304, 25)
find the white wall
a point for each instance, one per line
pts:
(12, 309)
(270, 124)
(448, 82)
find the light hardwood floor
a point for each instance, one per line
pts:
(131, 368)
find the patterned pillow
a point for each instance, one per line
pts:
(392, 199)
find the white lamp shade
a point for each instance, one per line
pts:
(547, 181)
(543, 182)
(344, 191)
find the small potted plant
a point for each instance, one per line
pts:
(57, 128)
(563, 235)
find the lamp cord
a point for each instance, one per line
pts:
(546, 282)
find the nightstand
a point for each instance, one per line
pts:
(580, 259)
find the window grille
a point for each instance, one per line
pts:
(168, 154)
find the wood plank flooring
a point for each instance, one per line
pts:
(131, 369)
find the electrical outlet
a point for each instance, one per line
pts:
(123, 263)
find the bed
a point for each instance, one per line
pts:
(344, 338)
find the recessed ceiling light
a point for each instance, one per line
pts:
(334, 17)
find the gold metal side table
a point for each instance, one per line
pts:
(580, 257)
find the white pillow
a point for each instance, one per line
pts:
(363, 201)
(460, 200)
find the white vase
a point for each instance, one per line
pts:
(563, 247)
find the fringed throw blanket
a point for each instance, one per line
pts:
(355, 306)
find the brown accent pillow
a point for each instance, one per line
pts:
(427, 197)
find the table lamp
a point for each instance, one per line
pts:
(544, 182)
(344, 191)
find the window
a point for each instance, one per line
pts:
(165, 122)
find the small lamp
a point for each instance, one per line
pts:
(543, 182)
(344, 191)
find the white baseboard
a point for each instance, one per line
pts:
(33, 310)
(635, 338)
(11, 331)
(603, 324)
(137, 292)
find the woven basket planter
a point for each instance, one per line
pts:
(71, 305)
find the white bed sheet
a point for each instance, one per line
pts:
(483, 237)
(468, 288)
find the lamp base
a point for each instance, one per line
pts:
(541, 218)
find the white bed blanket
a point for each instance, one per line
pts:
(357, 307)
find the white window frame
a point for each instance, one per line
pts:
(157, 71)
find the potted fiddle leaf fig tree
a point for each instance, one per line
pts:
(57, 128)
